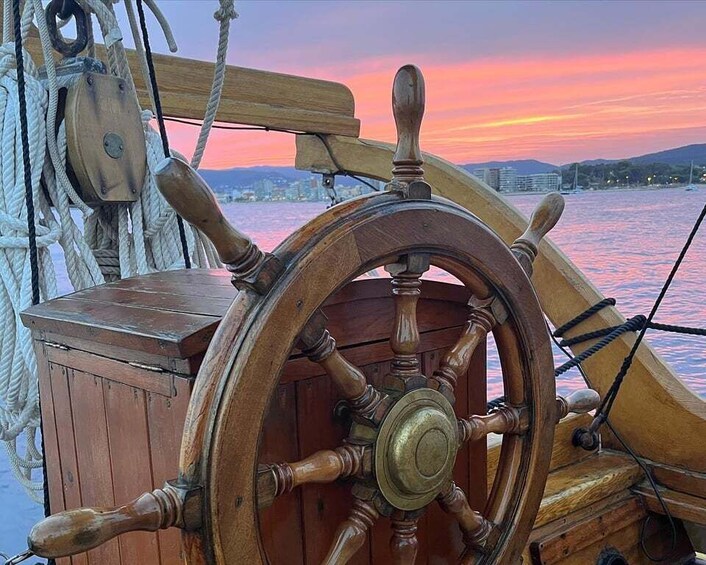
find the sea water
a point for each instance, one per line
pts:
(624, 241)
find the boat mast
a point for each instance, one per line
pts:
(576, 177)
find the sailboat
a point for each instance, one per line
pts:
(691, 187)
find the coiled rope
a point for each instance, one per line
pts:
(118, 241)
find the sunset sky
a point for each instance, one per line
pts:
(556, 81)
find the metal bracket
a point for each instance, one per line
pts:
(329, 183)
(56, 345)
(153, 368)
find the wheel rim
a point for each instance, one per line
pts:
(377, 230)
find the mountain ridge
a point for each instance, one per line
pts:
(246, 177)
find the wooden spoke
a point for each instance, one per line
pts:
(484, 314)
(578, 402)
(515, 419)
(351, 534)
(324, 466)
(506, 420)
(405, 333)
(405, 371)
(315, 341)
(474, 526)
(403, 543)
(408, 98)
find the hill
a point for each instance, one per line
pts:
(677, 156)
(683, 155)
(246, 177)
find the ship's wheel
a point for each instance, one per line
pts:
(402, 444)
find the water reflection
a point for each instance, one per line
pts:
(626, 243)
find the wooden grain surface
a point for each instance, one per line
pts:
(683, 506)
(130, 458)
(63, 416)
(93, 454)
(250, 96)
(586, 482)
(165, 424)
(52, 454)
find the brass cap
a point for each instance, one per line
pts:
(416, 449)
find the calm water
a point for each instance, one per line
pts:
(626, 242)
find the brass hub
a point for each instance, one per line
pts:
(416, 449)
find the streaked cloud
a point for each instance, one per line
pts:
(557, 81)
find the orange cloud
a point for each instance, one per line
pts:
(558, 109)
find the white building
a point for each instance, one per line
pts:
(507, 179)
(540, 182)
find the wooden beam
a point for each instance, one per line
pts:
(250, 96)
(680, 505)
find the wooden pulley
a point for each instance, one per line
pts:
(105, 139)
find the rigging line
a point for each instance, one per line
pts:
(607, 404)
(160, 119)
(27, 165)
(223, 126)
(640, 462)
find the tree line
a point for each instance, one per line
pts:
(626, 173)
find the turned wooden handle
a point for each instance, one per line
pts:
(193, 200)
(578, 402)
(408, 109)
(543, 219)
(75, 531)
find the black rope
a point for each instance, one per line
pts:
(652, 326)
(632, 325)
(29, 201)
(560, 331)
(226, 126)
(27, 165)
(609, 399)
(676, 329)
(496, 403)
(339, 169)
(160, 119)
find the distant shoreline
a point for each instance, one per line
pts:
(515, 193)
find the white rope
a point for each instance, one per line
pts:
(224, 15)
(18, 386)
(117, 241)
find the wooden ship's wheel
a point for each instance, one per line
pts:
(403, 439)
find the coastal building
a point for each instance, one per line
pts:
(501, 179)
(507, 179)
(489, 176)
(540, 182)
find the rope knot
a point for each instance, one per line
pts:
(226, 12)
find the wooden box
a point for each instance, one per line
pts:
(117, 364)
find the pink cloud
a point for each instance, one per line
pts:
(556, 108)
